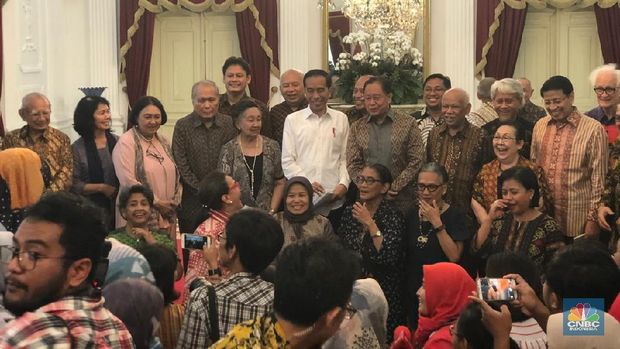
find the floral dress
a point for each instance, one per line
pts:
(385, 265)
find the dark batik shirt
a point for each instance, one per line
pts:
(54, 148)
(531, 112)
(355, 114)
(278, 114)
(226, 108)
(461, 155)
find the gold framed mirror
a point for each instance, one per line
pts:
(336, 26)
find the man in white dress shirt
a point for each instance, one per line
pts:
(314, 144)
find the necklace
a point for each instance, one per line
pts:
(251, 169)
(423, 238)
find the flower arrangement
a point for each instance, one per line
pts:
(389, 54)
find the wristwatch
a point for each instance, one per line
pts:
(377, 234)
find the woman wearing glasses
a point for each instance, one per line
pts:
(93, 170)
(374, 227)
(142, 156)
(436, 231)
(507, 142)
(220, 196)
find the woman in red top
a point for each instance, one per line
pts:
(443, 296)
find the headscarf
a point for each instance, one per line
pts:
(138, 304)
(447, 286)
(21, 170)
(299, 220)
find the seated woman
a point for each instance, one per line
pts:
(436, 231)
(93, 170)
(514, 224)
(135, 204)
(298, 220)
(443, 295)
(253, 160)
(163, 263)
(507, 142)
(21, 184)
(374, 228)
(220, 197)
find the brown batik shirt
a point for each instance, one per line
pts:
(54, 147)
(278, 114)
(461, 155)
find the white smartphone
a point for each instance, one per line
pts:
(194, 242)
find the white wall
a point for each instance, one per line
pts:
(54, 47)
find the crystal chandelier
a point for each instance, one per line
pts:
(393, 15)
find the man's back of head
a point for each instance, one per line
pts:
(313, 278)
(484, 89)
(582, 270)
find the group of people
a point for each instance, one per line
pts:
(325, 227)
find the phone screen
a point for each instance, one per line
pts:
(194, 242)
(496, 290)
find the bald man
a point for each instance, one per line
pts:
(292, 89)
(52, 145)
(457, 145)
(529, 111)
(358, 110)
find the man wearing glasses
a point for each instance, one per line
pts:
(50, 283)
(53, 146)
(606, 82)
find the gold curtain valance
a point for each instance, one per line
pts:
(560, 4)
(160, 6)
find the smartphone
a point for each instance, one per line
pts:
(194, 242)
(611, 220)
(496, 289)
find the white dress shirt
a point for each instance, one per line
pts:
(315, 147)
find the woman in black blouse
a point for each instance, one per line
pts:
(436, 231)
(374, 228)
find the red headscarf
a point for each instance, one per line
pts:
(447, 286)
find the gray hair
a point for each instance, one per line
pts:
(435, 168)
(27, 99)
(484, 88)
(607, 68)
(203, 83)
(509, 86)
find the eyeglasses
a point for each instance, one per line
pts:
(27, 260)
(367, 180)
(503, 138)
(349, 311)
(607, 90)
(431, 187)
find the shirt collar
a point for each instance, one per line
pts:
(461, 133)
(220, 216)
(308, 112)
(24, 134)
(572, 119)
(224, 97)
(390, 115)
(197, 120)
(72, 303)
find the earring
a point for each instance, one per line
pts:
(229, 202)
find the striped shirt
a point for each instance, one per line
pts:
(574, 157)
(528, 334)
(76, 322)
(426, 123)
(483, 115)
(241, 297)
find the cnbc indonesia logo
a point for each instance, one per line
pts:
(583, 317)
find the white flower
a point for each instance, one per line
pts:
(374, 64)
